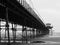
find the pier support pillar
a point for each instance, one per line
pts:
(14, 32)
(33, 32)
(5, 30)
(26, 36)
(22, 33)
(0, 31)
(7, 26)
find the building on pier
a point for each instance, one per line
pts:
(49, 26)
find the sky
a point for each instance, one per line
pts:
(48, 11)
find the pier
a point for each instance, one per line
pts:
(16, 13)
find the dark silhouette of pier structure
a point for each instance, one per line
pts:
(14, 12)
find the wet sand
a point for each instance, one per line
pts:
(44, 41)
(50, 40)
(47, 40)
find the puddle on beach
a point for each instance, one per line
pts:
(38, 42)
